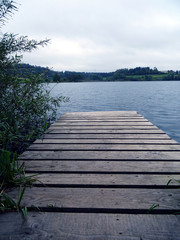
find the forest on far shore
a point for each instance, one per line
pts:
(124, 74)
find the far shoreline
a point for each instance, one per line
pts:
(170, 80)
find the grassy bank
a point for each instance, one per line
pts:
(26, 111)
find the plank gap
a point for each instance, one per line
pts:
(96, 159)
(103, 150)
(105, 210)
(111, 186)
(104, 143)
(103, 172)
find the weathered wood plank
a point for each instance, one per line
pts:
(100, 118)
(109, 179)
(107, 147)
(101, 114)
(115, 131)
(103, 166)
(101, 123)
(102, 155)
(91, 118)
(103, 198)
(103, 120)
(102, 128)
(105, 141)
(83, 226)
(106, 136)
(98, 113)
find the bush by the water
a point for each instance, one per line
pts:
(26, 107)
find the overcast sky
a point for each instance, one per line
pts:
(101, 35)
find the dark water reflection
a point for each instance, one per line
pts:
(159, 102)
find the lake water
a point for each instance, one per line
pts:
(159, 102)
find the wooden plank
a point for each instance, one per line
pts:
(83, 226)
(105, 141)
(101, 123)
(101, 114)
(106, 147)
(130, 180)
(92, 118)
(103, 120)
(102, 155)
(106, 136)
(102, 128)
(89, 118)
(103, 166)
(98, 113)
(115, 131)
(103, 198)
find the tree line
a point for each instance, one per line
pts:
(124, 74)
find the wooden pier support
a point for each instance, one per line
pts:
(102, 175)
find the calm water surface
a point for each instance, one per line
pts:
(159, 102)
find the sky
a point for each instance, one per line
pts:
(100, 35)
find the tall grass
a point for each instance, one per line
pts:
(12, 174)
(26, 108)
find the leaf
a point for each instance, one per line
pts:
(25, 212)
(20, 195)
(153, 207)
(169, 182)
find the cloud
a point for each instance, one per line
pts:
(101, 35)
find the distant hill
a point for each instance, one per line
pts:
(133, 74)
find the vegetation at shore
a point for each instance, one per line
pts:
(134, 74)
(26, 109)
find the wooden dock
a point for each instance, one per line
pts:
(102, 175)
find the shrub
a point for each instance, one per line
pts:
(26, 106)
(26, 109)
